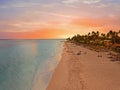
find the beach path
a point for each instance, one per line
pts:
(82, 69)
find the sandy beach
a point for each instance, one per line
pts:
(82, 69)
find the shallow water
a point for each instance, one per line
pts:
(22, 61)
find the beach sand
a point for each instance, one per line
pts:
(82, 69)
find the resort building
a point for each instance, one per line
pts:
(107, 43)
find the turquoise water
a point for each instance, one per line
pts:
(24, 62)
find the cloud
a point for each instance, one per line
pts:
(70, 1)
(20, 5)
(90, 1)
(83, 1)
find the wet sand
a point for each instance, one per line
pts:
(82, 69)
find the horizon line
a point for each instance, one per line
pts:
(37, 39)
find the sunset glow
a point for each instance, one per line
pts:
(46, 19)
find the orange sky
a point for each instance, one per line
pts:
(63, 30)
(45, 33)
(57, 19)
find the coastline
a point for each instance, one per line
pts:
(82, 69)
(44, 73)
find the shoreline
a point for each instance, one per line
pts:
(82, 69)
(44, 73)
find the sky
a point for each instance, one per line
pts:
(51, 19)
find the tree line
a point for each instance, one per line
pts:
(97, 38)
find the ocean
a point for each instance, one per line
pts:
(28, 64)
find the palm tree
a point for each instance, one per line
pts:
(110, 34)
(113, 36)
(103, 36)
(97, 33)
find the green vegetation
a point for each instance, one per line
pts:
(109, 40)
